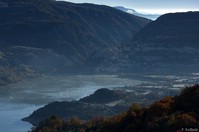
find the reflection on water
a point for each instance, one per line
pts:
(21, 99)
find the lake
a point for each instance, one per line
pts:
(21, 99)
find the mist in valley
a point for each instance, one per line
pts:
(46, 89)
(54, 51)
(21, 99)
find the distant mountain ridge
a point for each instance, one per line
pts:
(134, 12)
(60, 37)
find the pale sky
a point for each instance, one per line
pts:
(149, 6)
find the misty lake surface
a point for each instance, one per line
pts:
(21, 99)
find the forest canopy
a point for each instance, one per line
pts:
(179, 113)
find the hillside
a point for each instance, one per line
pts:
(103, 102)
(74, 30)
(174, 29)
(167, 115)
(63, 35)
(168, 44)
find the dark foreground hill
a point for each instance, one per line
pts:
(170, 114)
(103, 102)
(48, 36)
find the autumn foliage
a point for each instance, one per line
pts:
(170, 114)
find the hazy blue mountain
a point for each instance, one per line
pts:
(52, 37)
(134, 12)
(49, 36)
(75, 30)
(169, 44)
(171, 41)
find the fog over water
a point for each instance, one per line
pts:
(47, 89)
(21, 99)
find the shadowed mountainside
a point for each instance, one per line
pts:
(173, 29)
(50, 36)
(73, 30)
(169, 44)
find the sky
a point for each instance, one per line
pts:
(149, 6)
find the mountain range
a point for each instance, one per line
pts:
(46, 36)
(169, 44)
